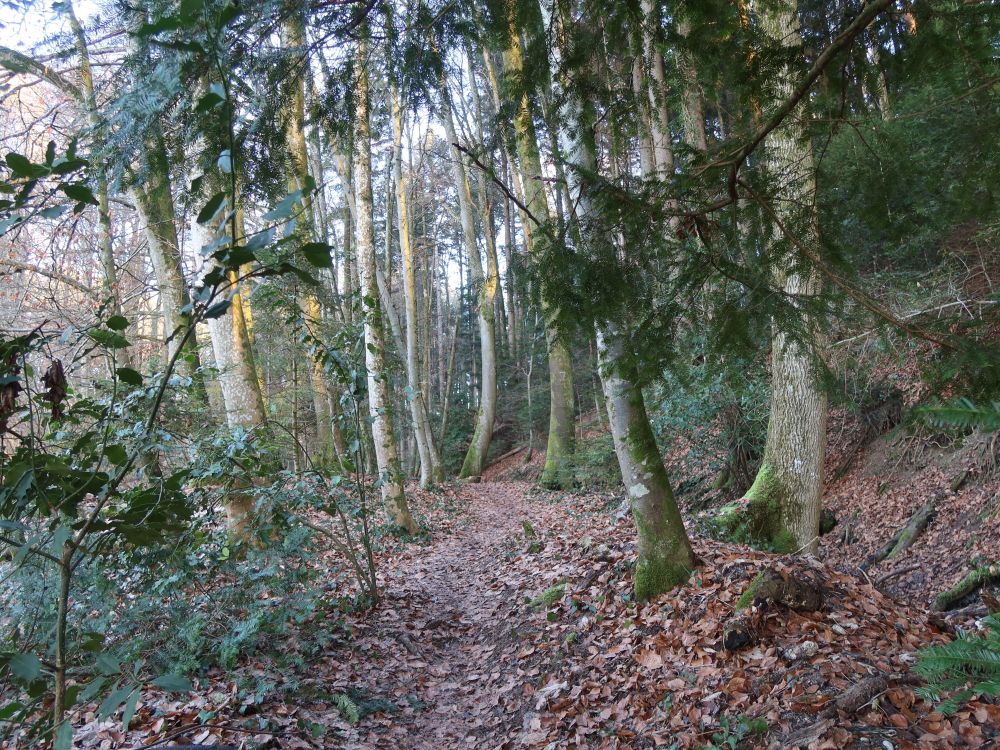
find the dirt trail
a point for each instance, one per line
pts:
(447, 610)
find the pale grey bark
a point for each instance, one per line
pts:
(665, 557)
(386, 456)
(430, 463)
(475, 458)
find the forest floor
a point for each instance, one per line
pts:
(493, 635)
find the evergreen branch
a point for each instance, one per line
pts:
(963, 413)
(855, 294)
(779, 114)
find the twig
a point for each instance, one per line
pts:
(897, 572)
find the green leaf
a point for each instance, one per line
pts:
(79, 192)
(109, 339)
(210, 100)
(116, 454)
(284, 209)
(20, 166)
(129, 376)
(111, 703)
(318, 254)
(53, 212)
(59, 538)
(25, 667)
(173, 683)
(117, 323)
(63, 739)
(130, 707)
(217, 310)
(211, 208)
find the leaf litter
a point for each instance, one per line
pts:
(486, 638)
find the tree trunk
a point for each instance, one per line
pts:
(486, 285)
(430, 463)
(558, 469)
(309, 228)
(786, 496)
(378, 377)
(663, 150)
(665, 558)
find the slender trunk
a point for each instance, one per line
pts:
(663, 150)
(665, 557)
(446, 395)
(692, 100)
(558, 470)
(430, 464)
(786, 496)
(378, 377)
(309, 228)
(486, 286)
(106, 252)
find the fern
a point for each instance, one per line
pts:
(964, 414)
(970, 665)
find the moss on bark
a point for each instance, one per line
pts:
(764, 513)
(658, 575)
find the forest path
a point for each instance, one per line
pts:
(447, 627)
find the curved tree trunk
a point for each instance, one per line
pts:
(786, 496)
(378, 378)
(665, 558)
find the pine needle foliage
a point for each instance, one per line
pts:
(963, 414)
(969, 665)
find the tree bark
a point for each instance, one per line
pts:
(309, 228)
(558, 469)
(378, 378)
(665, 558)
(786, 496)
(430, 463)
(486, 286)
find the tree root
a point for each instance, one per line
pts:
(771, 586)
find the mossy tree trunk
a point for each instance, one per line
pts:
(665, 558)
(558, 469)
(786, 496)
(386, 456)
(486, 285)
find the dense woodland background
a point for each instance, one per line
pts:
(524, 373)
